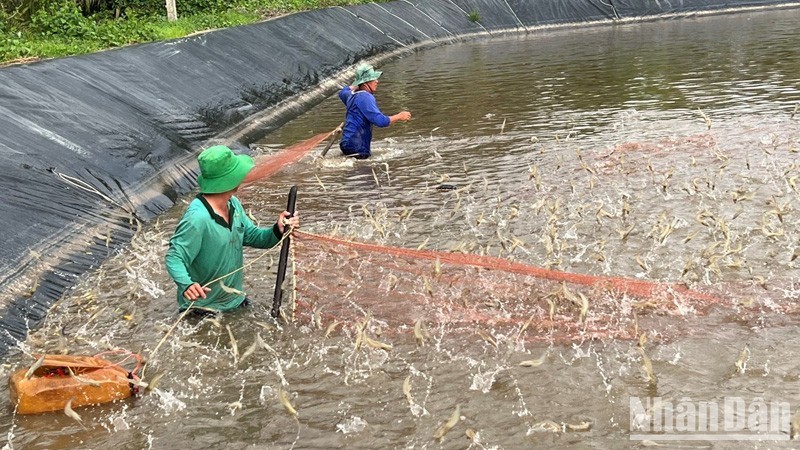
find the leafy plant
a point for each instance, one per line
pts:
(63, 19)
(115, 33)
(52, 28)
(13, 46)
(473, 16)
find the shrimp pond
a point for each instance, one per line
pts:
(663, 152)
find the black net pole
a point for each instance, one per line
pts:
(276, 300)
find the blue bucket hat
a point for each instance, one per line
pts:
(365, 73)
(221, 170)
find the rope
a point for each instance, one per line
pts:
(128, 354)
(294, 281)
(80, 184)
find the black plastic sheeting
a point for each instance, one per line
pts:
(89, 145)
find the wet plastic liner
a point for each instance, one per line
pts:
(95, 145)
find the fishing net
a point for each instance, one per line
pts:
(274, 163)
(712, 252)
(345, 280)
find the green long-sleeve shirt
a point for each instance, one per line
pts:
(205, 247)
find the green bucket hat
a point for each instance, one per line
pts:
(221, 170)
(365, 73)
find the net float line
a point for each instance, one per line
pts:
(638, 288)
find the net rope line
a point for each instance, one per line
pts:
(52, 360)
(84, 186)
(639, 288)
(127, 356)
(80, 184)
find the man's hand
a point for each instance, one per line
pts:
(402, 116)
(195, 291)
(286, 218)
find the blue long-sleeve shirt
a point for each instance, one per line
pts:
(362, 113)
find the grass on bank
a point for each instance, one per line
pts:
(63, 28)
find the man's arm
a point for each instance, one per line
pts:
(256, 236)
(184, 246)
(371, 111)
(369, 107)
(346, 92)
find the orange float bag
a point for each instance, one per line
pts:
(87, 380)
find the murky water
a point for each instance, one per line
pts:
(662, 151)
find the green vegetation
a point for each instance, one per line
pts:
(473, 16)
(31, 29)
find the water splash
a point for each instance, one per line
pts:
(354, 424)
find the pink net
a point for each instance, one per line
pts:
(268, 166)
(347, 280)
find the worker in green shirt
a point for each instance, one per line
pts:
(208, 242)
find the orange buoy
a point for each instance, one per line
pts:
(88, 380)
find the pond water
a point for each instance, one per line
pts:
(662, 151)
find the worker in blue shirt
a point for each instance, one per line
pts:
(363, 112)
